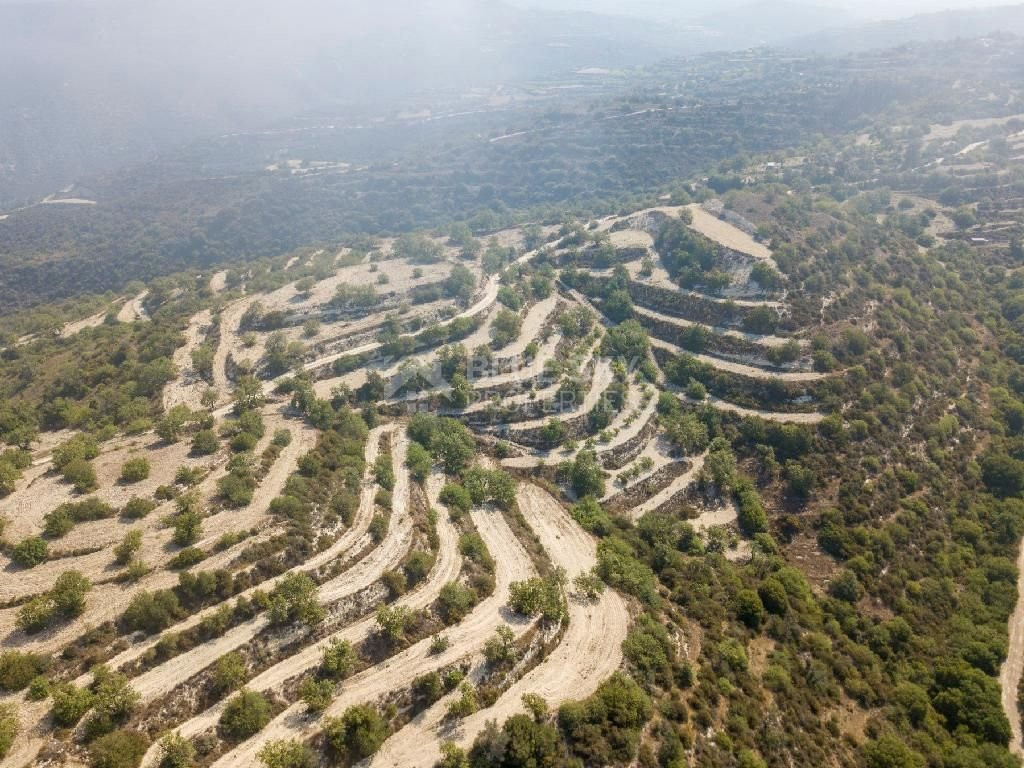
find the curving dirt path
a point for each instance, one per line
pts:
(77, 326)
(723, 515)
(779, 417)
(219, 281)
(467, 637)
(34, 728)
(345, 542)
(750, 371)
(536, 317)
(680, 483)
(590, 650)
(1010, 672)
(164, 678)
(133, 309)
(659, 277)
(625, 432)
(659, 450)
(108, 600)
(446, 568)
(767, 341)
(631, 238)
(724, 233)
(487, 298)
(603, 377)
(187, 388)
(230, 320)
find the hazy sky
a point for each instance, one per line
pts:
(694, 8)
(684, 9)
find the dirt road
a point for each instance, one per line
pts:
(133, 309)
(750, 371)
(164, 678)
(446, 568)
(590, 650)
(767, 340)
(1010, 673)
(187, 388)
(345, 542)
(466, 638)
(724, 233)
(777, 416)
(682, 482)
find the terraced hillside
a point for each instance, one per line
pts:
(313, 523)
(696, 484)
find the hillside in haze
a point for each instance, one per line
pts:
(945, 25)
(86, 86)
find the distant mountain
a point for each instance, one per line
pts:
(946, 25)
(88, 85)
(767, 21)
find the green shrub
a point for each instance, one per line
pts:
(60, 521)
(18, 669)
(245, 715)
(176, 751)
(378, 528)
(357, 734)
(295, 599)
(119, 749)
(418, 460)
(135, 470)
(228, 673)
(467, 702)
(384, 472)
(473, 547)
(456, 498)
(8, 727)
(80, 474)
(124, 552)
(151, 612)
(137, 508)
(205, 443)
(9, 476)
(417, 566)
(186, 558)
(338, 659)
(751, 516)
(749, 608)
(188, 527)
(287, 754)
(70, 703)
(36, 614)
(501, 646)
(537, 596)
(39, 688)
(112, 694)
(68, 593)
(316, 693)
(586, 475)
(80, 446)
(243, 441)
(455, 601)
(30, 552)
(188, 476)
